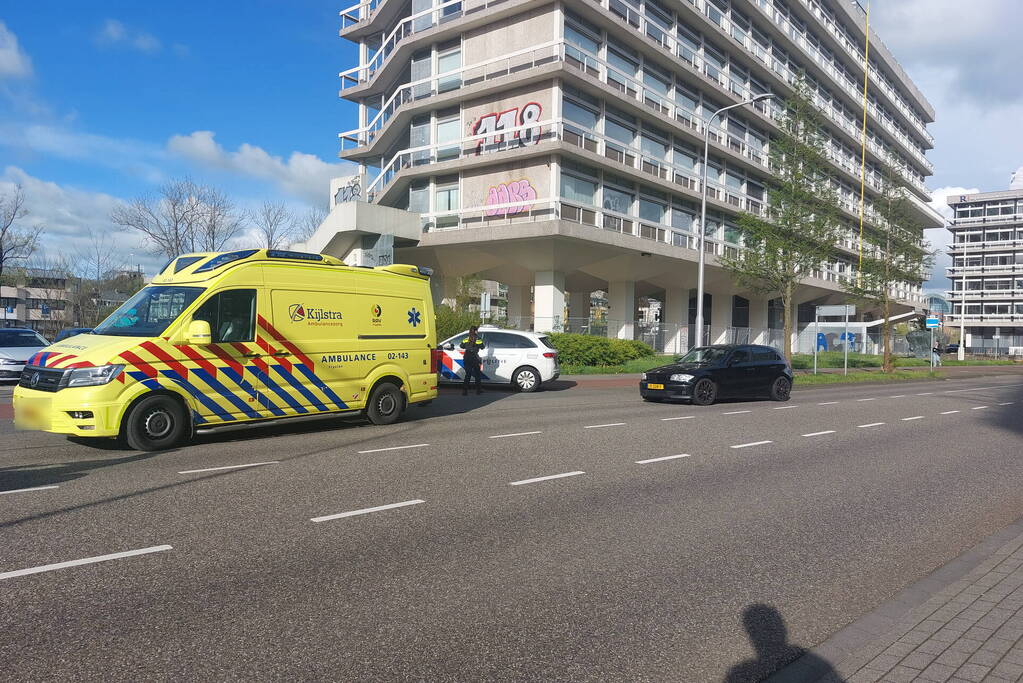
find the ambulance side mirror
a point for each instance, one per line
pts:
(199, 333)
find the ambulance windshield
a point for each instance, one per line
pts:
(149, 312)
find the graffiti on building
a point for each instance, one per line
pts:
(351, 191)
(493, 125)
(498, 196)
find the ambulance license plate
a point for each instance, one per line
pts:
(654, 386)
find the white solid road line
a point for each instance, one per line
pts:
(548, 477)
(978, 408)
(949, 412)
(231, 467)
(87, 560)
(505, 436)
(830, 431)
(747, 445)
(737, 412)
(610, 424)
(684, 417)
(866, 399)
(915, 417)
(872, 424)
(784, 407)
(366, 511)
(827, 403)
(666, 457)
(34, 488)
(395, 448)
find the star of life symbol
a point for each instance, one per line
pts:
(414, 317)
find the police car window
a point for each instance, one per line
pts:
(523, 342)
(231, 315)
(499, 340)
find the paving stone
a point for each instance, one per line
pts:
(884, 662)
(973, 672)
(967, 645)
(921, 660)
(938, 673)
(901, 674)
(1013, 672)
(933, 647)
(865, 676)
(998, 645)
(985, 658)
(953, 658)
(899, 650)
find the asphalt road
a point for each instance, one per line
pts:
(619, 570)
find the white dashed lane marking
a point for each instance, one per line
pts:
(366, 511)
(34, 488)
(395, 448)
(505, 436)
(949, 412)
(684, 417)
(1006, 403)
(915, 417)
(737, 412)
(87, 560)
(666, 457)
(827, 403)
(829, 431)
(547, 478)
(978, 407)
(747, 445)
(230, 467)
(866, 399)
(609, 424)
(871, 424)
(784, 407)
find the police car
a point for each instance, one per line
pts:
(523, 359)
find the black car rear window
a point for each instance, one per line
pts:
(766, 355)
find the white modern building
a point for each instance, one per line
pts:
(557, 148)
(987, 269)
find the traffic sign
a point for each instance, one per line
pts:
(931, 323)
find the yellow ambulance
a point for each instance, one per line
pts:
(226, 338)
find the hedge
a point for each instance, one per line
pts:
(583, 349)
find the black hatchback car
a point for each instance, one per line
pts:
(708, 373)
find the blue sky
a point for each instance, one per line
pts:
(102, 101)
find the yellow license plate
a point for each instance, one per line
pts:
(654, 386)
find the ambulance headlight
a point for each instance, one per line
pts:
(91, 377)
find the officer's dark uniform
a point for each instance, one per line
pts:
(471, 361)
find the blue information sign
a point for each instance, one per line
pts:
(931, 323)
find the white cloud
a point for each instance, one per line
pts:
(68, 214)
(134, 157)
(14, 63)
(114, 32)
(301, 175)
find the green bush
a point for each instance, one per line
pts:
(583, 349)
(835, 359)
(451, 322)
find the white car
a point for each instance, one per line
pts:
(17, 345)
(523, 359)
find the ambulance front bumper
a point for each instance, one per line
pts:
(69, 411)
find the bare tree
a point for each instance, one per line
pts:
(274, 224)
(184, 217)
(16, 243)
(307, 223)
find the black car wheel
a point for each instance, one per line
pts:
(156, 423)
(704, 392)
(385, 404)
(781, 389)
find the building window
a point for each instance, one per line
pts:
(448, 60)
(445, 198)
(449, 130)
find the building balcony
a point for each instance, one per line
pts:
(1009, 269)
(986, 294)
(958, 248)
(994, 221)
(415, 94)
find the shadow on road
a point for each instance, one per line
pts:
(1008, 417)
(768, 634)
(28, 476)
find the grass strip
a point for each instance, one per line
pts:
(854, 377)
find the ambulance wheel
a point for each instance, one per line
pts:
(526, 379)
(156, 423)
(385, 404)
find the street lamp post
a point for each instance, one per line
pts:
(961, 351)
(703, 210)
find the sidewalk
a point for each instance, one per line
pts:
(964, 622)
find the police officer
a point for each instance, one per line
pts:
(472, 345)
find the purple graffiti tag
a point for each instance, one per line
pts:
(517, 192)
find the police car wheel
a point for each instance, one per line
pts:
(156, 423)
(385, 404)
(526, 379)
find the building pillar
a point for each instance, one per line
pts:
(578, 311)
(621, 314)
(758, 321)
(721, 317)
(549, 301)
(675, 316)
(520, 310)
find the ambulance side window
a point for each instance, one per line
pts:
(231, 315)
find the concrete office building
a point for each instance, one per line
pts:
(987, 269)
(556, 147)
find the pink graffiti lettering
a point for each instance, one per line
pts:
(493, 126)
(514, 192)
